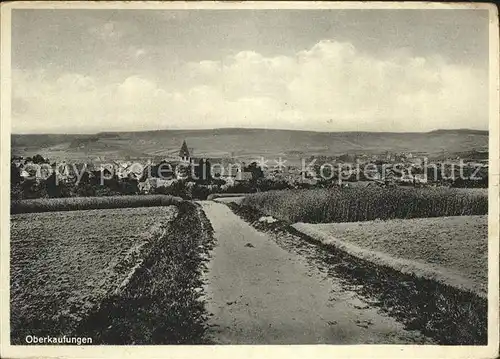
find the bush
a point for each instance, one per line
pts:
(31, 188)
(177, 188)
(239, 187)
(267, 184)
(199, 192)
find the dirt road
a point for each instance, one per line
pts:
(260, 293)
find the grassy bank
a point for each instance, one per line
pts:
(367, 203)
(439, 311)
(161, 304)
(86, 203)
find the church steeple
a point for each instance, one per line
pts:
(184, 152)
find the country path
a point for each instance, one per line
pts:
(259, 293)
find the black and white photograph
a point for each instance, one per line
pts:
(216, 174)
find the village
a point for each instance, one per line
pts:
(172, 174)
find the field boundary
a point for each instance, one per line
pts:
(86, 203)
(406, 266)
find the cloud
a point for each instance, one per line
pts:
(330, 87)
(140, 52)
(106, 32)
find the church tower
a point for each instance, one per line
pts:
(184, 155)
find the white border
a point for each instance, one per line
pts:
(249, 351)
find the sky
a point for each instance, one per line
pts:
(85, 71)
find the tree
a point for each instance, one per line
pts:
(15, 175)
(84, 188)
(32, 188)
(38, 159)
(129, 186)
(255, 170)
(53, 189)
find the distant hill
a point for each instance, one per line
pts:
(465, 131)
(245, 143)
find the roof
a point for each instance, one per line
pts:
(184, 152)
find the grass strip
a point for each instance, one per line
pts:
(85, 203)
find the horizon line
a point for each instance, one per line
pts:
(243, 129)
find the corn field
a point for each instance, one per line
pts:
(83, 203)
(367, 203)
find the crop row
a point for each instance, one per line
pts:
(85, 203)
(368, 203)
